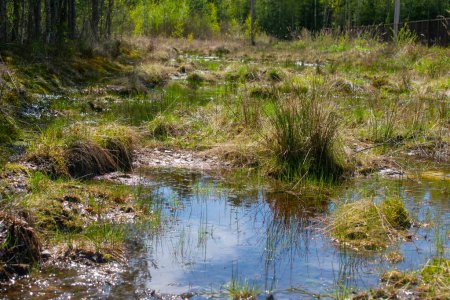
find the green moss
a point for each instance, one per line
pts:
(396, 214)
(364, 224)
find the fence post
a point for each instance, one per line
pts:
(396, 19)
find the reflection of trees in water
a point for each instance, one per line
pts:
(289, 230)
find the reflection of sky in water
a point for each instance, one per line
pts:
(211, 239)
(214, 233)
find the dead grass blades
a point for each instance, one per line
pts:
(20, 246)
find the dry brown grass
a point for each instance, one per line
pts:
(20, 245)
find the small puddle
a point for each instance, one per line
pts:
(214, 232)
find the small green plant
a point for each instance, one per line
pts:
(275, 75)
(406, 36)
(195, 80)
(242, 291)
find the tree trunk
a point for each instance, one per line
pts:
(109, 18)
(3, 22)
(252, 22)
(37, 18)
(48, 20)
(72, 19)
(95, 18)
(16, 21)
(30, 22)
(24, 21)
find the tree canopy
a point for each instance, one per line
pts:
(58, 20)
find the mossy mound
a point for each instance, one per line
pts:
(366, 225)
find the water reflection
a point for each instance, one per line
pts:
(215, 231)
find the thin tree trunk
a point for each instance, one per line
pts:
(63, 14)
(16, 21)
(252, 22)
(95, 18)
(109, 18)
(101, 26)
(24, 21)
(72, 19)
(3, 22)
(37, 18)
(30, 22)
(48, 20)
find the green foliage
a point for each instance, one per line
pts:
(406, 36)
(238, 291)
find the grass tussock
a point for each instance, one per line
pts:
(20, 246)
(305, 139)
(81, 151)
(86, 159)
(241, 291)
(431, 282)
(370, 226)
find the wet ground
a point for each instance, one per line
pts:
(217, 230)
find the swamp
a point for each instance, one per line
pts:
(207, 150)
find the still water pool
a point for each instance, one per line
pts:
(215, 231)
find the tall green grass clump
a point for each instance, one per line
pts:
(305, 140)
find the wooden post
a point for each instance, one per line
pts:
(252, 22)
(396, 19)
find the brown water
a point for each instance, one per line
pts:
(215, 231)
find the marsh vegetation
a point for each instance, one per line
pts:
(311, 168)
